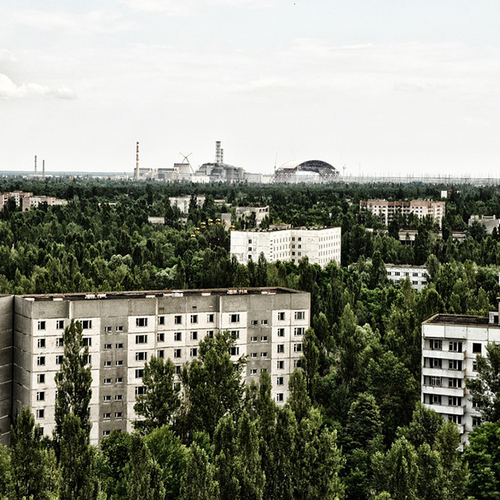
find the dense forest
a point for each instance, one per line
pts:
(353, 427)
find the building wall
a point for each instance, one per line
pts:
(123, 331)
(6, 339)
(321, 246)
(449, 352)
(416, 274)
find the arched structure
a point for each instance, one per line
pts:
(308, 171)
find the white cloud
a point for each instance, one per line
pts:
(9, 90)
(174, 8)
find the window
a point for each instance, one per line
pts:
(106, 433)
(434, 362)
(263, 370)
(59, 359)
(263, 354)
(194, 335)
(141, 356)
(436, 344)
(435, 399)
(476, 348)
(297, 363)
(299, 331)
(281, 332)
(300, 315)
(161, 320)
(60, 342)
(141, 322)
(210, 334)
(87, 359)
(454, 364)
(280, 348)
(107, 381)
(234, 351)
(255, 322)
(40, 396)
(455, 346)
(119, 362)
(119, 346)
(235, 334)
(40, 378)
(281, 316)
(297, 347)
(108, 329)
(280, 397)
(280, 381)
(263, 322)
(254, 339)
(40, 360)
(140, 390)
(41, 325)
(178, 320)
(118, 397)
(476, 421)
(264, 338)
(280, 365)
(160, 337)
(86, 324)
(457, 419)
(177, 336)
(119, 380)
(254, 354)
(40, 413)
(160, 354)
(193, 352)
(234, 318)
(139, 373)
(177, 353)
(141, 339)
(454, 382)
(118, 414)
(106, 399)
(87, 341)
(106, 416)
(41, 343)
(119, 328)
(253, 371)
(178, 369)
(474, 365)
(107, 346)
(454, 401)
(60, 324)
(210, 318)
(193, 319)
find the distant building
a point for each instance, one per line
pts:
(320, 246)
(218, 171)
(156, 220)
(450, 346)
(416, 274)
(421, 208)
(27, 201)
(310, 171)
(183, 202)
(489, 222)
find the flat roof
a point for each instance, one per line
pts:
(460, 319)
(148, 294)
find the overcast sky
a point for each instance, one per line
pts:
(380, 86)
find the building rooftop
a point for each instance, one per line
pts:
(150, 294)
(459, 319)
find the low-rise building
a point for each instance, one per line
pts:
(123, 330)
(27, 200)
(183, 202)
(319, 245)
(416, 274)
(490, 222)
(450, 346)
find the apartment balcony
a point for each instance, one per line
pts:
(448, 410)
(443, 390)
(434, 353)
(443, 372)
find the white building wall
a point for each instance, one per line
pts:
(416, 274)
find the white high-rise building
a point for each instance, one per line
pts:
(320, 246)
(450, 346)
(124, 329)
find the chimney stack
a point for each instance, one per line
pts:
(43, 169)
(35, 166)
(137, 162)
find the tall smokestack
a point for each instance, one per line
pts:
(217, 152)
(43, 169)
(35, 166)
(222, 156)
(137, 162)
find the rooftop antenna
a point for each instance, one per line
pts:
(185, 159)
(35, 166)
(137, 162)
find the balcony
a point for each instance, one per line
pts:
(448, 410)
(444, 390)
(443, 372)
(434, 353)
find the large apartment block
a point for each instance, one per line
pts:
(450, 346)
(420, 208)
(124, 329)
(319, 245)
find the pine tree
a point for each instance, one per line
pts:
(199, 482)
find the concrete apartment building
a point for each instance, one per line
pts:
(27, 201)
(320, 245)
(450, 346)
(124, 329)
(399, 272)
(420, 208)
(490, 222)
(183, 202)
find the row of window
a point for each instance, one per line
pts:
(454, 346)
(437, 399)
(42, 342)
(107, 416)
(280, 365)
(438, 382)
